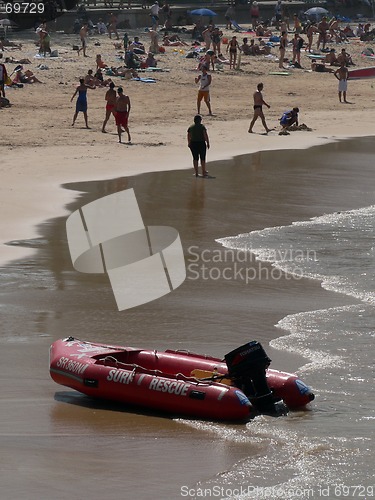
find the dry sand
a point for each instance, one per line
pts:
(40, 150)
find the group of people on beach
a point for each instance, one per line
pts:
(117, 104)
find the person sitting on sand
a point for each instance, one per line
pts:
(26, 77)
(345, 58)
(100, 64)
(150, 61)
(245, 47)
(289, 118)
(348, 31)
(137, 46)
(264, 47)
(331, 58)
(262, 31)
(101, 27)
(132, 61)
(320, 67)
(99, 78)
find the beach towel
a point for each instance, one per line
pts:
(237, 26)
(144, 80)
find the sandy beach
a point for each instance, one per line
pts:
(56, 442)
(40, 150)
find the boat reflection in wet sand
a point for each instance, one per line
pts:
(179, 382)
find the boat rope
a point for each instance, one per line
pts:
(137, 368)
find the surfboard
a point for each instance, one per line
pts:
(280, 73)
(316, 56)
(362, 73)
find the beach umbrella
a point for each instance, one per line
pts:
(316, 12)
(6, 23)
(203, 12)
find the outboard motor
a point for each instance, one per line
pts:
(247, 367)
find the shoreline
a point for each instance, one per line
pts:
(46, 197)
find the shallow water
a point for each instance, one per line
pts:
(57, 443)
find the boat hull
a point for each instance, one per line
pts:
(362, 73)
(169, 381)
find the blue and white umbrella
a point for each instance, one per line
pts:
(316, 12)
(203, 12)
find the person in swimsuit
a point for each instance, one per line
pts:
(204, 90)
(232, 48)
(342, 74)
(258, 110)
(83, 32)
(323, 28)
(198, 143)
(81, 104)
(122, 108)
(282, 48)
(216, 40)
(110, 97)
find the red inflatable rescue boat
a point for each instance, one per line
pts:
(179, 382)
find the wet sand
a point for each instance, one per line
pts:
(57, 443)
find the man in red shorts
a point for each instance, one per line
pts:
(110, 97)
(122, 113)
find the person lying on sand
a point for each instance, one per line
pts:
(8, 44)
(127, 73)
(320, 68)
(26, 77)
(172, 40)
(12, 60)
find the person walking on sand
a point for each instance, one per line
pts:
(258, 109)
(112, 26)
(122, 108)
(204, 90)
(342, 74)
(81, 104)
(198, 143)
(83, 32)
(110, 97)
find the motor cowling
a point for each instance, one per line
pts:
(247, 368)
